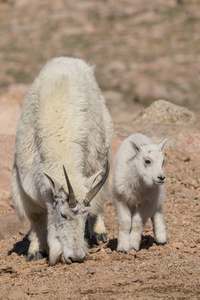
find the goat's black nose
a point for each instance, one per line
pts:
(161, 177)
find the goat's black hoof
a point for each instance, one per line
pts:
(103, 237)
(124, 252)
(162, 244)
(95, 239)
(39, 255)
(30, 256)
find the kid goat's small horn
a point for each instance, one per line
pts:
(72, 198)
(92, 193)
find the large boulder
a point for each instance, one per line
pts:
(162, 111)
(164, 119)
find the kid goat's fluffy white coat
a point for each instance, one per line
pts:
(64, 121)
(138, 190)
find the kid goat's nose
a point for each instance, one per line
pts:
(161, 177)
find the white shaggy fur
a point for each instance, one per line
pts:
(138, 190)
(64, 121)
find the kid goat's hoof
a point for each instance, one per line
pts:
(124, 252)
(161, 244)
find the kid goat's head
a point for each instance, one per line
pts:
(149, 161)
(70, 215)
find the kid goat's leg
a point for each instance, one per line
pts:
(159, 227)
(136, 231)
(124, 227)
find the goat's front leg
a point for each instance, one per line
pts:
(96, 228)
(55, 247)
(136, 230)
(38, 248)
(159, 227)
(124, 226)
(95, 224)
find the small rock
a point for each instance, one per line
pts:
(108, 250)
(136, 279)
(183, 157)
(7, 269)
(39, 290)
(190, 250)
(178, 245)
(102, 250)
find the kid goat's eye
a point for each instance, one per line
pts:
(147, 161)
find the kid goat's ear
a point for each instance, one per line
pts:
(162, 144)
(135, 147)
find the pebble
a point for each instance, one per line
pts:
(178, 245)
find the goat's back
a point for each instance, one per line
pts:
(64, 121)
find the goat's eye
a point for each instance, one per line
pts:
(63, 215)
(147, 161)
(65, 200)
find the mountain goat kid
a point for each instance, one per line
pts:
(64, 122)
(138, 190)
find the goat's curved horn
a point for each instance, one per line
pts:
(92, 193)
(72, 198)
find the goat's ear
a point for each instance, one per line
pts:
(162, 144)
(135, 147)
(54, 184)
(89, 182)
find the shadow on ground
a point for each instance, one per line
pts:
(21, 247)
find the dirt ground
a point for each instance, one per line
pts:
(142, 53)
(155, 272)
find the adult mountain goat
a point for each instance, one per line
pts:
(138, 190)
(64, 122)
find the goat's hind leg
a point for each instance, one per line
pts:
(26, 208)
